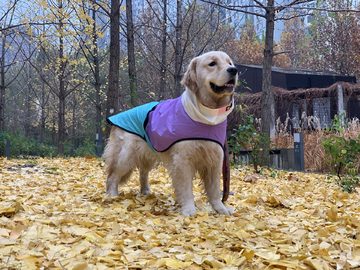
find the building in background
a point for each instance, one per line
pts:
(299, 92)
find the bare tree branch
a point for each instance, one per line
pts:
(282, 52)
(328, 9)
(10, 9)
(102, 7)
(242, 8)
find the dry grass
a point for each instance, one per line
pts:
(314, 152)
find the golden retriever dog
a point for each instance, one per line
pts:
(187, 134)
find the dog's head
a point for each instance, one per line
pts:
(213, 78)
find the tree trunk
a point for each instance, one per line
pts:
(42, 126)
(267, 95)
(2, 84)
(43, 116)
(178, 36)
(73, 132)
(62, 95)
(27, 102)
(53, 133)
(131, 51)
(97, 83)
(163, 55)
(28, 110)
(113, 85)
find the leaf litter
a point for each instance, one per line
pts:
(54, 214)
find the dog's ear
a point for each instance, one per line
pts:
(189, 79)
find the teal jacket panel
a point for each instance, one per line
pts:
(133, 120)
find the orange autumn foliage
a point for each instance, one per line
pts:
(249, 49)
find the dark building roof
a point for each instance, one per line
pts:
(288, 78)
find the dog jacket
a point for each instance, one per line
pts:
(163, 124)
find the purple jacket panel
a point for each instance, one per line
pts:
(169, 123)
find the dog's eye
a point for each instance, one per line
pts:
(213, 63)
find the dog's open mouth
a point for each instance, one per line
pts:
(228, 86)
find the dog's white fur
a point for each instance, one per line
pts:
(125, 151)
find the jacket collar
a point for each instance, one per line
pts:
(203, 114)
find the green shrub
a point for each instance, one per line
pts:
(247, 136)
(20, 146)
(47, 151)
(3, 138)
(87, 148)
(342, 153)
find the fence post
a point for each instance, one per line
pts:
(7, 149)
(299, 151)
(340, 100)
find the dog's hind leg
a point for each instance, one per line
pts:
(210, 178)
(144, 177)
(112, 183)
(119, 170)
(145, 161)
(114, 180)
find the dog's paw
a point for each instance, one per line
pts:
(225, 211)
(112, 195)
(230, 211)
(145, 191)
(188, 211)
(111, 190)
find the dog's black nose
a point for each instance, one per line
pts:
(232, 70)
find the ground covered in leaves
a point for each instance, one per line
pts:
(54, 215)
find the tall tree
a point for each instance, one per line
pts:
(178, 47)
(163, 66)
(112, 103)
(131, 51)
(61, 78)
(95, 58)
(11, 42)
(41, 94)
(267, 98)
(97, 81)
(42, 99)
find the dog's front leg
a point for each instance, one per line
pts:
(210, 178)
(182, 174)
